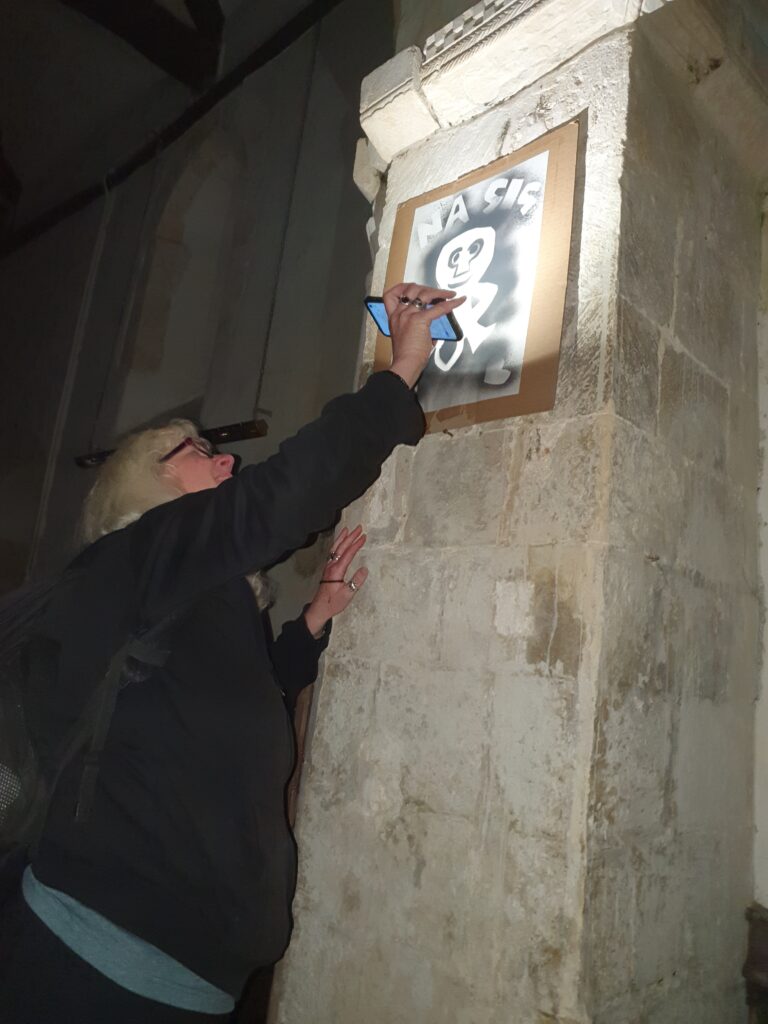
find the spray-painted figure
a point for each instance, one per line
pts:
(463, 261)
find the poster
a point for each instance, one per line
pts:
(501, 237)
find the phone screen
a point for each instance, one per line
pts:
(445, 328)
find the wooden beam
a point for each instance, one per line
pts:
(184, 53)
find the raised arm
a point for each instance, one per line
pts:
(185, 547)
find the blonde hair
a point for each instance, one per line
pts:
(133, 480)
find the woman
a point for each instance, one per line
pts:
(166, 868)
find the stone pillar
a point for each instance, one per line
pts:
(528, 790)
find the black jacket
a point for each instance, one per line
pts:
(187, 843)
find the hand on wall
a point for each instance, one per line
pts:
(335, 592)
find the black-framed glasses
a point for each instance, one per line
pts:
(200, 444)
(228, 434)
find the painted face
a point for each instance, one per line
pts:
(194, 467)
(466, 257)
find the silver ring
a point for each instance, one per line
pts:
(417, 303)
(333, 557)
(405, 300)
(353, 586)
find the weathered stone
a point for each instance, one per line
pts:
(526, 818)
(407, 737)
(383, 508)
(403, 596)
(555, 486)
(693, 408)
(485, 587)
(457, 491)
(636, 368)
(647, 492)
(649, 216)
(714, 758)
(708, 306)
(714, 540)
(393, 111)
(530, 764)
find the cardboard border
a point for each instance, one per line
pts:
(538, 376)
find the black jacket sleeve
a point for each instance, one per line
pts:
(199, 541)
(295, 656)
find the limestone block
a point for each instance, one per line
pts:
(610, 909)
(647, 504)
(487, 609)
(649, 229)
(532, 768)
(693, 411)
(457, 492)
(636, 916)
(555, 481)
(713, 767)
(708, 308)
(344, 704)
(394, 113)
(631, 767)
(721, 863)
(565, 594)
(382, 509)
(397, 614)
(663, 132)
(463, 959)
(704, 633)
(713, 538)
(364, 174)
(582, 354)
(432, 760)
(637, 626)
(636, 368)
(498, 56)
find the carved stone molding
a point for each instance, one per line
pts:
(473, 26)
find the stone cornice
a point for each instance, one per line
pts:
(472, 28)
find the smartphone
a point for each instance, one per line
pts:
(444, 328)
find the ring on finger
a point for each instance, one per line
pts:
(353, 586)
(405, 300)
(334, 556)
(417, 303)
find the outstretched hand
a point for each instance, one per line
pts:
(335, 592)
(411, 308)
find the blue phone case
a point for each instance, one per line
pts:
(445, 328)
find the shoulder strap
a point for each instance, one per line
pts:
(107, 694)
(140, 648)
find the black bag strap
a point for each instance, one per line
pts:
(106, 708)
(143, 650)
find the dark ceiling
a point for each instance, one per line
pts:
(84, 83)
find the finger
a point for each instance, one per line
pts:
(348, 594)
(337, 540)
(360, 577)
(346, 559)
(392, 297)
(441, 309)
(429, 295)
(350, 538)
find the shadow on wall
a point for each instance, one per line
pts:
(167, 365)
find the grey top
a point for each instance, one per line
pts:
(124, 958)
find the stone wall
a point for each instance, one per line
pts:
(443, 815)
(670, 807)
(529, 789)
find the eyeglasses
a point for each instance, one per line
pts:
(198, 443)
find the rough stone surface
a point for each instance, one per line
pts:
(529, 788)
(394, 112)
(669, 857)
